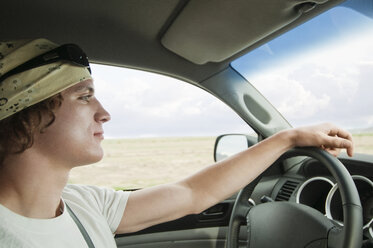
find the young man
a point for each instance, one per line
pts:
(52, 122)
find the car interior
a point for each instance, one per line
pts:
(306, 198)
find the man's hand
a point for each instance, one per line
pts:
(326, 136)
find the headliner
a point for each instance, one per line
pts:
(130, 33)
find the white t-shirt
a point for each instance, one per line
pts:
(100, 211)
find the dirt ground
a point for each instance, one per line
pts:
(138, 163)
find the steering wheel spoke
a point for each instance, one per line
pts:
(335, 237)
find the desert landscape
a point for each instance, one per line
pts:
(144, 162)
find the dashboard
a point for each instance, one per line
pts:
(322, 194)
(311, 184)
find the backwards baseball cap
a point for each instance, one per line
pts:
(34, 70)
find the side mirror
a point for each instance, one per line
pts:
(227, 145)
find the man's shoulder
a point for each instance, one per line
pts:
(81, 189)
(86, 193)
(90, 194)
(93, 202)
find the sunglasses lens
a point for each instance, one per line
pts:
(77, 56)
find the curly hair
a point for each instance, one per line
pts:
(17, 131)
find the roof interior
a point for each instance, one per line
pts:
(123, 33)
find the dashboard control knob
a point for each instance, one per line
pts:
(266, 198)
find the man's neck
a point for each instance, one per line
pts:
(30, 185)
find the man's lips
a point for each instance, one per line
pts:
(99, 134)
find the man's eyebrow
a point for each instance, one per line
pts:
(84, 88)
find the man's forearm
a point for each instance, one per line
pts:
(219, 181)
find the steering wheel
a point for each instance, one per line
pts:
(292, 225)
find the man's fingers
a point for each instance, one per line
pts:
(335, 131)
(338, 142)
(346, 135)
(334, 151)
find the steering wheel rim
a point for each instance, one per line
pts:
(351, 234)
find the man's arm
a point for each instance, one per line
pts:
(217, 182)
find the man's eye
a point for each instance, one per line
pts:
(85, 98)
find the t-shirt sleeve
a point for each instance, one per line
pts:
(110, 203)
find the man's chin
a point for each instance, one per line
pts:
(97, 157)
(92, 158)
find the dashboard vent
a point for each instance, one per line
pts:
(286, 190)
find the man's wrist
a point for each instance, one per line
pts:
(289, 137)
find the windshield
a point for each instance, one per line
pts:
(320, 71)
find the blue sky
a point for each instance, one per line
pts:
(330, 83)
(331, 25)
(321, 71)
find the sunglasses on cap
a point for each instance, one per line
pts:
(68, 52)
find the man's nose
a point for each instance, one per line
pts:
(102, 115)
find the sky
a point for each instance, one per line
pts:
(312, 77)
(332, 84)
(144, 104)
(324, 86)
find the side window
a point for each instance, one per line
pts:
(161, 129)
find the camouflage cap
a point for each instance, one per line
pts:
(29, 87)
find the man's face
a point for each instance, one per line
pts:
(74, 137)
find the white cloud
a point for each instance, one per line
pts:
(145, 104)
(370, 120)
(331, 84)
(267, 49)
